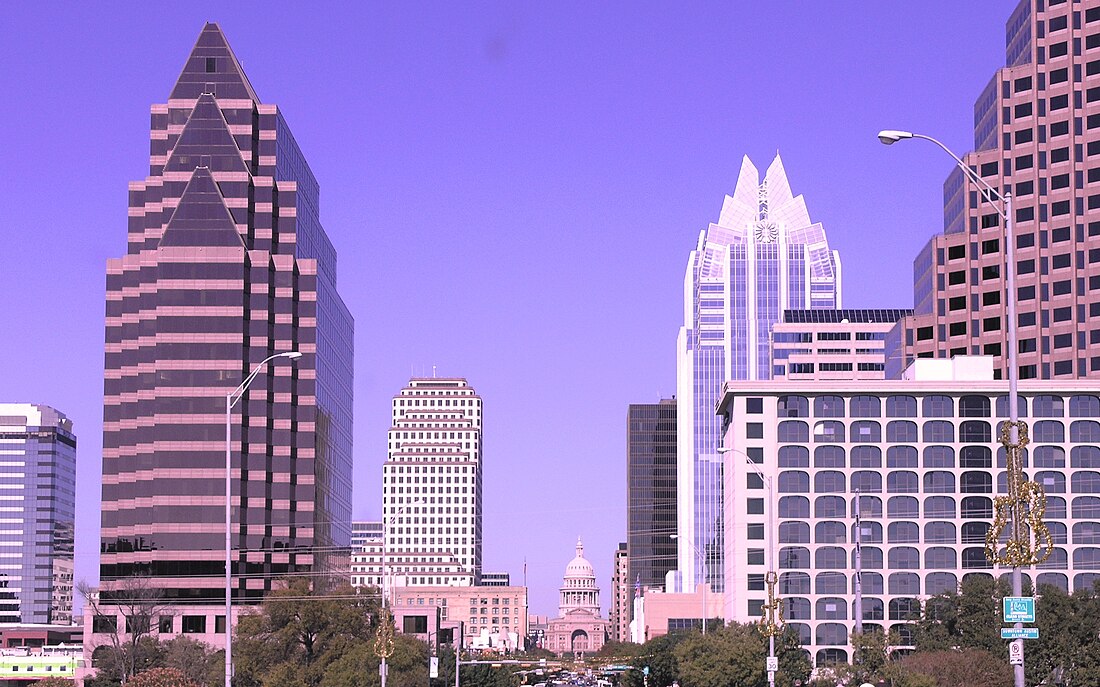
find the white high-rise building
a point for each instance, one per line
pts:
(763, 256)
(431, 485)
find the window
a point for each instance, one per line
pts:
(794, 457)
(829, 482)
(901, 431)
(940, 556)
(866, 431)
(829, 431)
(1084, 406)
(794, 482)
(941, 582)
(977, 507)
(793, 431)
(829, 406)
(901, 406)
(1084, 431)
(974, 406)
(831, 608)
(903, 533)
(866, 457)
(866, 482)
(194, 624)
(939, 533)
(794, 557)
(901, 457)
(829, 507)
(939, 431)
(865, 406)
(793, 583)
(976, 483)
(938, 406)
(829, 457)
(939, 457)
(975, 457)
(939, 506)
(831, 558)
(794, 532)
(830, 583)
(829, 532)
(795, 506)
(901, 482)
(975, 431)
(794, 406)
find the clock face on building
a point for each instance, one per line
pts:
(766, 231)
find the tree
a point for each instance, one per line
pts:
(300, 635)
(969, 667)
(161, 677)
(735, 654)
(1068, 648)
(54, 682)
(967, 619)
(195, 660)
(617, 649)
(133, 649)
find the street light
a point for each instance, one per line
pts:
(1025, 500)
(702, 564)
(383, 643)
(770, 624)
(230, 401)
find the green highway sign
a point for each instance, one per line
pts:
(1019, 609)
(1022, 633)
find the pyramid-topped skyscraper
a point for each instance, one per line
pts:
(226, 265)
(763, 256)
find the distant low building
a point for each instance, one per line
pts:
(579, 629)
(494, 618)
(657, 613)
(832, 344)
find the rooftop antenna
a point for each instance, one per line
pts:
(433, 371)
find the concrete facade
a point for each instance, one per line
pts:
(923, 459)
(832, 344)
(493, 617)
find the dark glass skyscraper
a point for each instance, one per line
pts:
(226, 264)
(651, 493)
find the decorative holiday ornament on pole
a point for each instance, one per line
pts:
(771, 624)
(383, 639)
(1029, 542)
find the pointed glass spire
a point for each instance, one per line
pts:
(201, 219)
(213, 68)
(205, 141)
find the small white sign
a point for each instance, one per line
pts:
(433, 667)
(1016, 652)
(772, 664)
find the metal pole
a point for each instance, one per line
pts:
(228, 543)
(706, 585)
(771, 561)
(1013, 390)
(858, 581)
(458, 648)
(385, 527)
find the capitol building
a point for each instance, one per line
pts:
(578, 629)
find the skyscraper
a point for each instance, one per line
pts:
(651, 492)
(619, 614)
(431, 485)
(1036, 136)
(38, 474)
(763, 256)
(226, 264)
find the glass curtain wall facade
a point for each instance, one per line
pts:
(650, 494)
(38, 477)
(763, 256)
(1036, 136)
(226, 264)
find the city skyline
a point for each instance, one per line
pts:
(474, 221)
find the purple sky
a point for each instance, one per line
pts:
(513, 190)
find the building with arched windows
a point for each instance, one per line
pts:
(578, 629)
(918, 463)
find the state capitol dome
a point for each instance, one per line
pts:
(579, 567)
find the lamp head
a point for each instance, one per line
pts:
(292, 355)
(892, 136)
(673, 536)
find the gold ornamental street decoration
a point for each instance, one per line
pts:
(383, 639)
(771, 624)
(1029, 542)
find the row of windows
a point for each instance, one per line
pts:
(934, 482)
(937, 532)
(934, 456)
(909, 558)
(905, 431)
(902, 406)
(970, 507)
